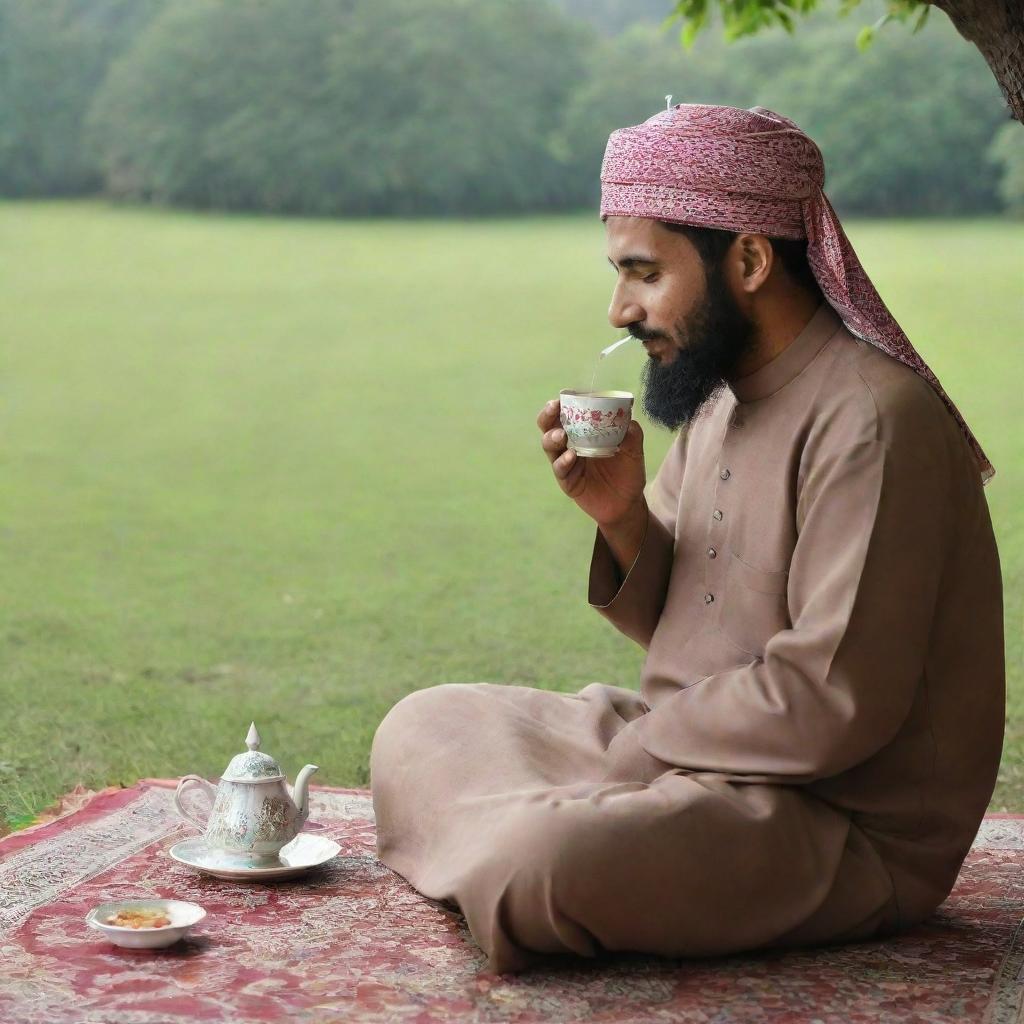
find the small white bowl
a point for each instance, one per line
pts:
(183, 916)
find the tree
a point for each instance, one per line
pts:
(996, 27)
(324, 107)
(53, 54)
(463, 107)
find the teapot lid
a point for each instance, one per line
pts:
(252, 765)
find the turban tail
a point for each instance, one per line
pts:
(755, 171)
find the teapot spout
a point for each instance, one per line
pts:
(300, 791)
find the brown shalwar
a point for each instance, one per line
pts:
(821, 708)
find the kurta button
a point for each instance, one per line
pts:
(708, 598)
(717, 514)
(712, 553)
(725, 474)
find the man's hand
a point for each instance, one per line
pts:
(610, 491)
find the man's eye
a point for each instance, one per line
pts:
(651, 278)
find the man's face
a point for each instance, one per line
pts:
(695, 333)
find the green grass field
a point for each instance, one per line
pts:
(288, 471)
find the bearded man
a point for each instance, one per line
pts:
(813, 575)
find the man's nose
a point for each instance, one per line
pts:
(623, 311)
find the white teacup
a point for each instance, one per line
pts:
(595, 422)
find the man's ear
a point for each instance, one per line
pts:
(756, 257)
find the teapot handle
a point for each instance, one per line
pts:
(187, 780)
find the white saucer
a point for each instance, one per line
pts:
(183, 916)
(301, 854)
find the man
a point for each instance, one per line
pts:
(812, 572)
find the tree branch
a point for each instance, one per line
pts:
(996, 27)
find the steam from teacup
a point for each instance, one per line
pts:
(607, 351)
(615, 344)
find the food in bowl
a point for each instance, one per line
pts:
(139, 919)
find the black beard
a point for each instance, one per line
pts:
(718, 335)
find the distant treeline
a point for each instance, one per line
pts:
(410, 107)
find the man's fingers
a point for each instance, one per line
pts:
(548, 416)
(633, 442)
(564, 461)
(565, 464)
(553, 443)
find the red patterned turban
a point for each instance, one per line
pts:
(754, 171)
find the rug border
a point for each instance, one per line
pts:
(1006, 1004)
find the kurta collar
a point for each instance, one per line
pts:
(791, 360)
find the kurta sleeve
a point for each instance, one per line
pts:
(833, 689)
(634, 603)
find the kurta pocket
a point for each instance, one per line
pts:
(754, 605)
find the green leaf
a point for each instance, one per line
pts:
(921, 19)
(683, 11)
(697, 16)
(689, 34)
(746, 18)
(865, 37)
(904, 9)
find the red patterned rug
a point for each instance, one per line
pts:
(354, 942)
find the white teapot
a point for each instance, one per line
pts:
(252, 816)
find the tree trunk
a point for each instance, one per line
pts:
(996, 27)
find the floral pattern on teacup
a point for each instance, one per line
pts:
(593, 423)
(573, 414)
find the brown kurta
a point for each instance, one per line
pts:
(822, 707)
